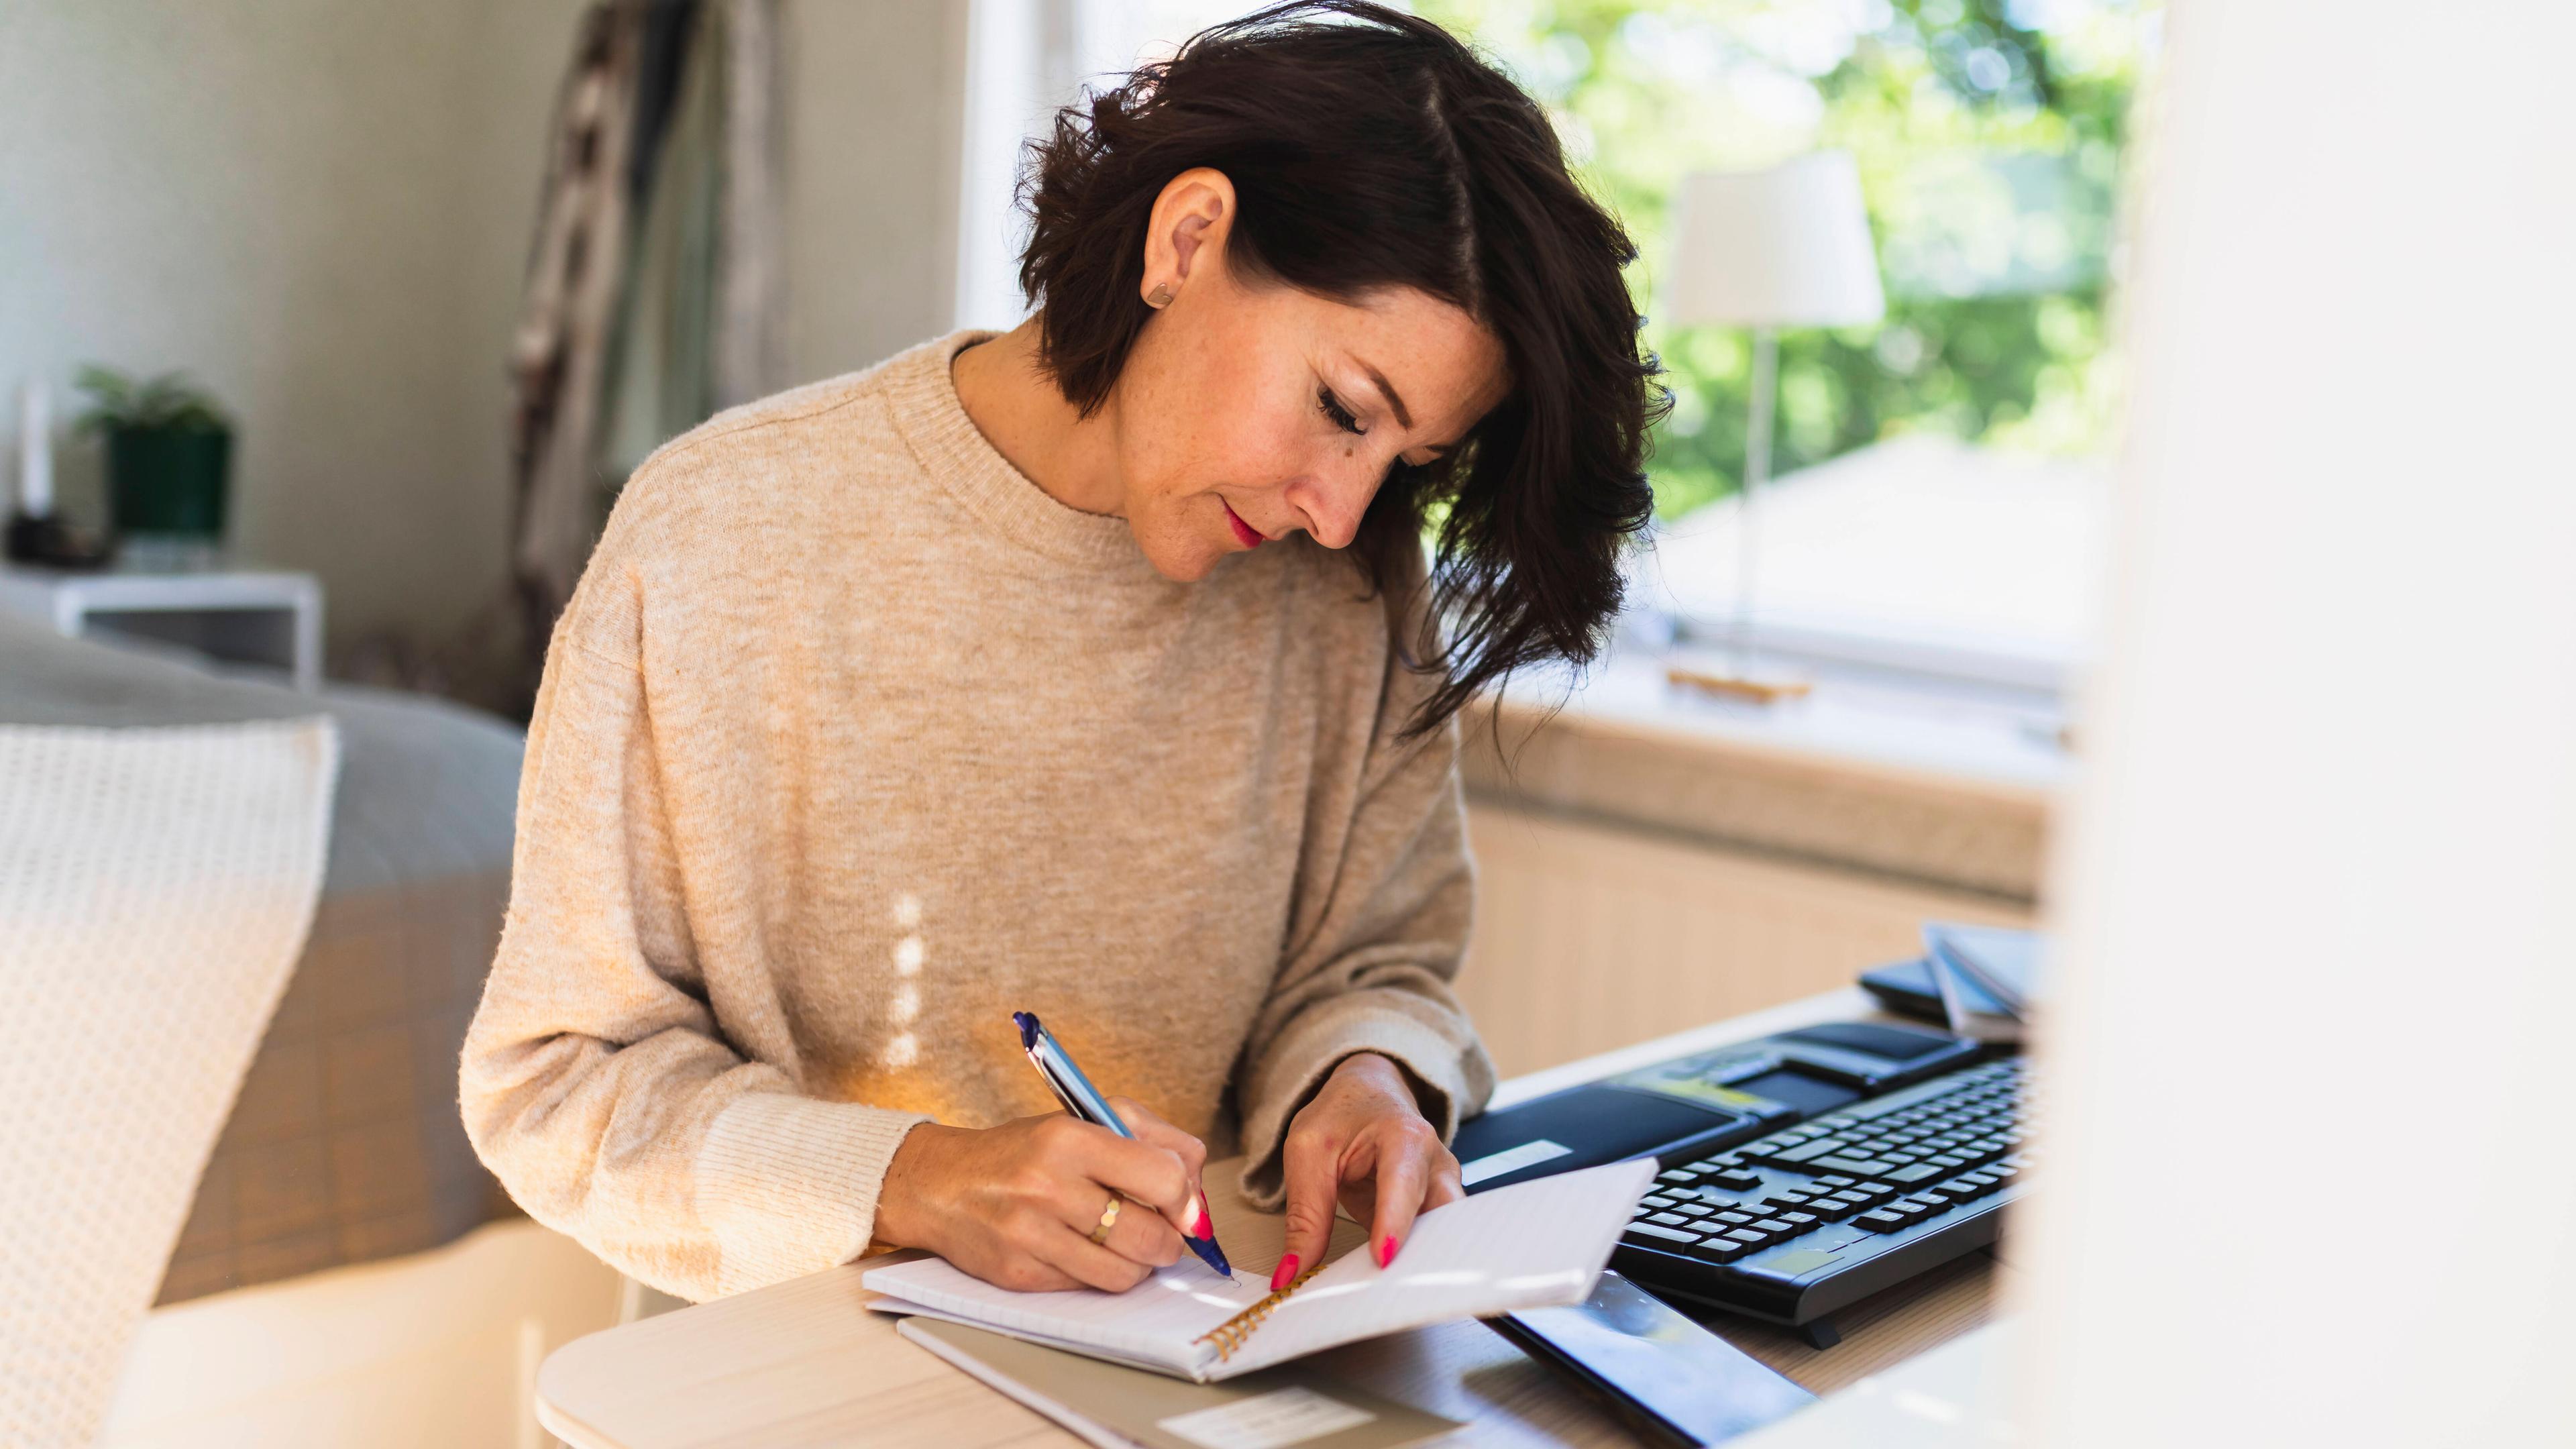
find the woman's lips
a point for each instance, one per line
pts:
(1244, 533)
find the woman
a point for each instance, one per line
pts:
(1087, 669)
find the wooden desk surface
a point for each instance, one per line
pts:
(807, 1363)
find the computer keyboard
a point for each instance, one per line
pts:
(1812, 1218)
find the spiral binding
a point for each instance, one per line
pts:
(1229, 1335)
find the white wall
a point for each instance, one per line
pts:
(321, 210)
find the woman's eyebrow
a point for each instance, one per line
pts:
(1395, 404)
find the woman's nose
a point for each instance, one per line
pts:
(1333, 501)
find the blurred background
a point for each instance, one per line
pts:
(441, 274)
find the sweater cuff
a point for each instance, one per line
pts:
(1288, 1075)
(788, 1185)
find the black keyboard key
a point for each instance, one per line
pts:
(1748, 1237)
(1802, 1222)
(1648, 1235)
(1694, 1209)
(1882, 1221)
(1808, 1151)
(1859, 1166)
(1734, 1219)
(1735, 1179)
(1677, 1176)
(1914, 1172)
(1837, 1180)
(1670, 1220)
(1774, 1228)
(1720, 1250)
(1658, 1203)
(1833, 1209)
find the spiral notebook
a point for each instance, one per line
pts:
(1533, 1245)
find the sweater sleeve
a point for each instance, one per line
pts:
(596, 1082)
(1372, 972)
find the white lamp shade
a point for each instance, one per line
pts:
(1784, 247)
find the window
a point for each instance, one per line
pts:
(1938, 479)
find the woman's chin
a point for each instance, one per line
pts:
(1185, 558)
(1183, 565)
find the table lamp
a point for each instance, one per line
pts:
(1788, 246)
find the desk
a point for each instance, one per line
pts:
(806, 1362)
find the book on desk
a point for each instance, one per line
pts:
(1541, 1244)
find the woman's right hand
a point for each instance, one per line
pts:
(1015, 1205)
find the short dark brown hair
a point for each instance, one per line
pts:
(1370, 149)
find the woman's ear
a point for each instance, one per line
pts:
(1188, 229)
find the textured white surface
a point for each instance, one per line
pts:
(156, 886)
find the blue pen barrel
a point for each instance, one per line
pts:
(1084, 1101)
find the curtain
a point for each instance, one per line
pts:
(655, 291)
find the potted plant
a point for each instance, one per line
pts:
(169, 454)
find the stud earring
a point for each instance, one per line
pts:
(1159, 298)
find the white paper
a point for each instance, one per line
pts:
(1273, 1420)
(1510, 1159)
(1530, 1245)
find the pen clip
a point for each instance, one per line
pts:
(1071, 1088)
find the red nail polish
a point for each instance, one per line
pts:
(1385, 1252)
(1280, 1276)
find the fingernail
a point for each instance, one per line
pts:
(1199, 1225)
(1280, 1276)
(1385, 1251)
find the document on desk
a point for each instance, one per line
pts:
(1534, 1245)
(1117, 1407)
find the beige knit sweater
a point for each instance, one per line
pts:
(851, 743)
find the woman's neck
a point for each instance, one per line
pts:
(1019, 410)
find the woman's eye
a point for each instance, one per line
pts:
(1340, 415)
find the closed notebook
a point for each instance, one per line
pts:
(1533, 1245)
(1117, 1407)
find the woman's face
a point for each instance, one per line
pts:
(1249, 410)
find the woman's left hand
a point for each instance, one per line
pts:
(1361, 1141)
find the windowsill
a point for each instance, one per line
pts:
(1915, 782)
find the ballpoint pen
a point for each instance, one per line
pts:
(1084, 1101)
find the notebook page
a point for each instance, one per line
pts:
(1158, 1321)
(1531, 1245)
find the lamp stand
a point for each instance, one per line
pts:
(1757, 471)
(1744, 680)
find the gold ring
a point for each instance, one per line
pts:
(1108, 1220)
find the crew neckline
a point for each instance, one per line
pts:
(934, 422)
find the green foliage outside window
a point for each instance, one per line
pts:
(1988, 135)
